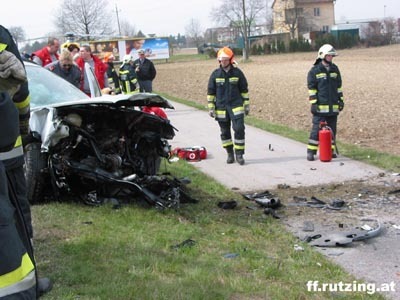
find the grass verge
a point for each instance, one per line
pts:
(131, 252)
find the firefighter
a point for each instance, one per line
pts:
(228, 103)
(325, 96)
(113, 79)
(17, 268)
(127, 76)
(14, 84)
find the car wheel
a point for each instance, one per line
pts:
(35, 162)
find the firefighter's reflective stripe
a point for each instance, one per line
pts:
(3, 46)
(239, 144)
(233, 80)
(23, 106)
(20, 279)
(312, 145)
(238, 111)
(220, 114)
(246, 100)
(211, 101)
(16, 152)
(325, 108)
(239, 147)
(227, 143)
(220, 80)
(312, 96)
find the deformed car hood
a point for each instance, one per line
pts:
(43, 118)
(140, 99)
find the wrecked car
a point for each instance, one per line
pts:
(95, 148)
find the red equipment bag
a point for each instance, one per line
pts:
(195, 153)
(325, 142)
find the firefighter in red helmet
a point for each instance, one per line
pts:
(228, 103)
(325, 95)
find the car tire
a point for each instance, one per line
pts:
(35, 162)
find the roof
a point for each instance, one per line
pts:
(307, 1)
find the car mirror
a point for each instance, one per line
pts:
(94, 86)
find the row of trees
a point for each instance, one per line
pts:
(90, 19)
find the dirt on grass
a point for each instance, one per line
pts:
(278, 91)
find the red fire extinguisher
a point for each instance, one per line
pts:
(325, 142)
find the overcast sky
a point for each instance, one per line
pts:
(165, 17)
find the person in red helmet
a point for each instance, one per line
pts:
(228, 103)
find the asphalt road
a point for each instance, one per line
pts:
(272, 160)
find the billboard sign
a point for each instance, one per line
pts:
(155, 48)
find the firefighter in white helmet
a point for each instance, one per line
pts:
(325, 95)
(127, 76)
(228, 103)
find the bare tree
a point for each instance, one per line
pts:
(194, 32)
(292, 19)
(389, 25)
(87, 18)
(241, 14)
(127, 29)
(17, 33)
(269, 20)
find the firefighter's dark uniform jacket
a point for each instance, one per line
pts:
(113, 79)
(227, 91)
(13, 160)
(325, 89)
(128, 78)
(17, 270)
(22, 102)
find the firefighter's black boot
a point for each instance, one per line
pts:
(44, 285)
(310, 156)
(231, 157)
(239, 158)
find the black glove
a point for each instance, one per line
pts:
(341, 105)
(314, 108)
(246, 109)
(211, 112)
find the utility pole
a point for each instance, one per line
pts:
(119, 26)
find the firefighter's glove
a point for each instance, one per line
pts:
(12, 73)
(11, 66)
(314, 108)
(247, 109)
(341, 105)
(211, 112)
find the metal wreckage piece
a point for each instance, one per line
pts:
(335, 239)
(264, 199)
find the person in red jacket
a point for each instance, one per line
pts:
(99, 67)
(47, 54)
